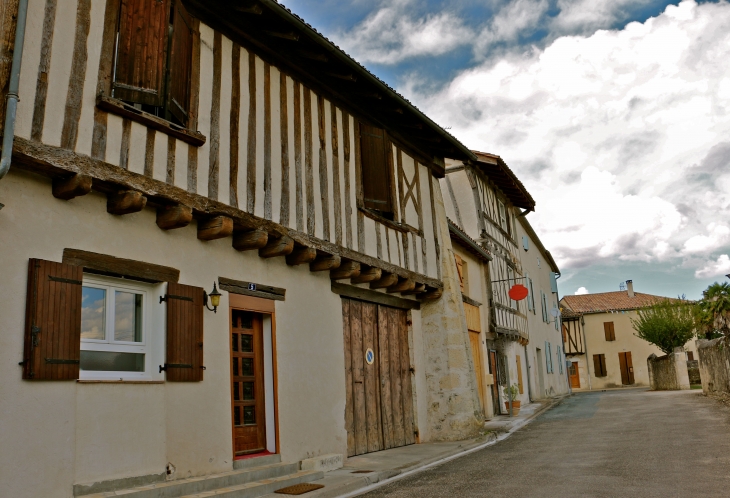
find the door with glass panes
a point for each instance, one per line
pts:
(247, 382)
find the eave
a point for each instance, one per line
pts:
(460, 237)
(282, 38)
(504, 178)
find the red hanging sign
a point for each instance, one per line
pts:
(518, 292)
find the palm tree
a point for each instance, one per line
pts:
(713, 310)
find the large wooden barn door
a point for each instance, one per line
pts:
(627, 368)
(379, 406)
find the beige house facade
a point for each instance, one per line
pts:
(287, 180)
(602, 348)
(519, 342)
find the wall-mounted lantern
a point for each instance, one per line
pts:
(215, 299)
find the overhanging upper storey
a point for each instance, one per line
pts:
(498, 172)
(286, 40)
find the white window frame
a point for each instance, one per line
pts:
(153, 329)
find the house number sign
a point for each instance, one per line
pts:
(369, 356)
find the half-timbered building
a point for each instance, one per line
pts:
(176, 158)
(484, 199)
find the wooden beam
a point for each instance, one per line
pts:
(403, 285)
(281, 246)
(325, 262)
(74, 186)
(249, 8)
(347, 269)
(315, 56)
(431, 294)
(176, 216)
(250, 239)
(386, 280)
(417, 289)
(118, 267)
(301, 255)
(251, 289)
(291, 35)
(374, 296)
(125, 202)
(344, 77)
(367, 274)
(219, 227)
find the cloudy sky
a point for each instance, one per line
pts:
(615, 114)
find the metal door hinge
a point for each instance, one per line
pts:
(172, 296)
(174, 365)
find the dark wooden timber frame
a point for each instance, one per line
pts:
(111, 266)
(244, 288)
(372, 296)
(55, 162)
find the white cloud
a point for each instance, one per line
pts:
(715, 268)
(619, 136)
(581, 291)
(390, 34)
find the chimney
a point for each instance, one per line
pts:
(630, 287)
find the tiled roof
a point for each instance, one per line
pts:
(498, 171)
(610, 301)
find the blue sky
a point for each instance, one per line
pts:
(614, 113)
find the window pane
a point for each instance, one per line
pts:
(234, 342)
(235, 366)
(93, 307)
(249, 415)
(236, 415)
(127, 317)
(104, 361)
(247, 366)
(236, 391)
(248, 391)
(247, 343)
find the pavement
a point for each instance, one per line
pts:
(631, 442)
(364, 472)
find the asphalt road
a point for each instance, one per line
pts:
(627, 443)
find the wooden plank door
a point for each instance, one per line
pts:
(520, 386)
(379, 395)
(495, 387)
(627, 368)
(476, 355)
(573, 375)
(247, 382)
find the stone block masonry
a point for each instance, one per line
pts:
(714, 364)
(669, 372)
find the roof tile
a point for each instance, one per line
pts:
(610, 301)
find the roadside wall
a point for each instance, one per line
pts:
(714, 364)
(668, 372)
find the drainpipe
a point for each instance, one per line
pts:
(529, 375)
(12, 99)
(585, 346)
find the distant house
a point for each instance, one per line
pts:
(601, 345)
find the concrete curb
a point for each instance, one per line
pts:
(346, 486)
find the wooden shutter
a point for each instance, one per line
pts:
(460, 270)
(141, 49)
(180, 64)
(375, 171)
(599, 365)
(609, 331)
(53, 321)
(184, 333)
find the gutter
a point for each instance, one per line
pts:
(13, 97)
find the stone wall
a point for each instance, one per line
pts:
(669, 372)
(714, 364)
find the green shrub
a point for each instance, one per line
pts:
(667, 324)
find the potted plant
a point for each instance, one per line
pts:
(511, 393)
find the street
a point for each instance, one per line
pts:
(623, 443)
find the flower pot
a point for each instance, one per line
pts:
(515, 407)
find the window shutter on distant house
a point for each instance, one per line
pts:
(141, 49)
(375, 171)
(184, 333)
(180, 66)
(530, 299)
(548, 358)
(599, 365)
(53, 321)
(553, 283)
(560, 360)
(609, 331)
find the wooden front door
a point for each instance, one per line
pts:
(476, 354)
(247, 382)
(379, 403)
(573, 375)
(627, 368)
(495, 384)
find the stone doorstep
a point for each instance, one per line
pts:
(342, 482)
(200, 484)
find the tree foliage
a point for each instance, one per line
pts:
(667, 324)
(713, 310)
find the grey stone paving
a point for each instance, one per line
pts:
(625, 443)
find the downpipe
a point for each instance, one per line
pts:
(14, 87)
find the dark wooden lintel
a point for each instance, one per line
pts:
(125, 202)
(347, 269)
(70, 187)
(251, 289)
(403, 285)
(119, 267)
(372, 296)
(290, 35)
(367, 274)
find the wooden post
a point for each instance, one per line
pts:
(252, 239)
(403, 285)
(68, 188)
(215, 228)
(386, 280)
(367, 274)
(325, 262)
(277, 247)
(347, 269)
(176, 216)
(301, 255)
(125, 202)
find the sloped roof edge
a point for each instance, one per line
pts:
(497, 170)
(471, 245)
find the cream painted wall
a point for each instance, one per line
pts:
(79, 433)
(625, 341)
